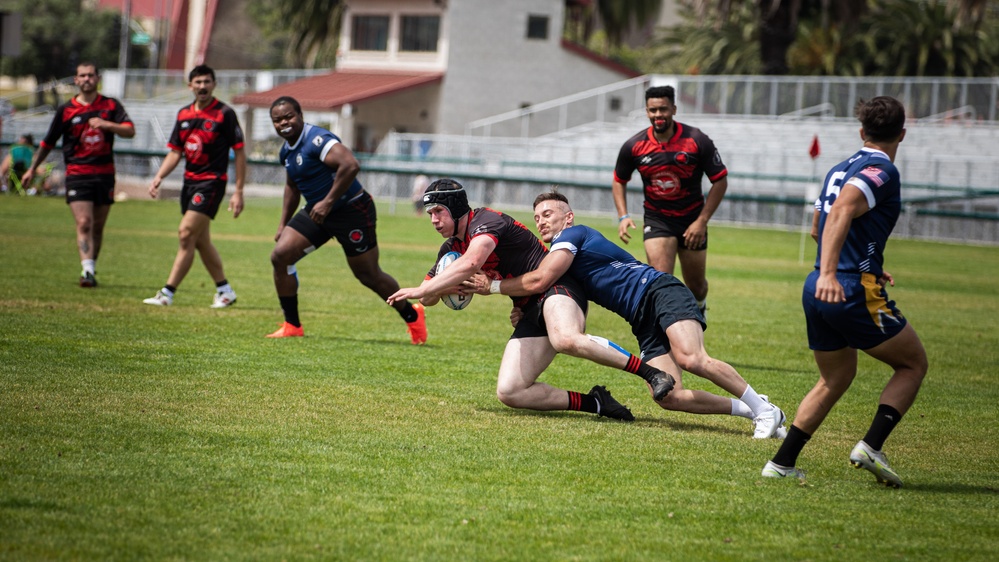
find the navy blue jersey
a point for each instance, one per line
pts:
(873, 173)
(671, 171)
(611, 277)
(306, 169)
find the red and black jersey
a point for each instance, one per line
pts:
(517, 251)
(86, 150)
(671, 171)
(205, 136)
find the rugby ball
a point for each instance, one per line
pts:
(454, 301)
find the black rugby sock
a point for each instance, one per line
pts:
(884, 422)
(582, 402)
(789, 450)
(290, 307)
(408, 313)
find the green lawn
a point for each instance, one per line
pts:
(133, 432)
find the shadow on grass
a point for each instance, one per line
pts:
(950, 488)
(642, 422)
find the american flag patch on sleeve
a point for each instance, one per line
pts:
(874, 175)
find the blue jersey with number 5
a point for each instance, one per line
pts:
(874, 174)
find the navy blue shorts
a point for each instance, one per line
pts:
(867, 318)
(532, 325)
(660, 226)
(204, 197)
(353, 226)
(665, 302)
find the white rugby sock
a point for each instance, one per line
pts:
(753, 400)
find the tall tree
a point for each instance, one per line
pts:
(56, 35)
(779, 21)
(308, 29)
(615, 17)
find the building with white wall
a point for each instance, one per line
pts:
(432, 66)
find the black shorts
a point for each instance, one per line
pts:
(660, 226)
(532, 325)
(665, 302)
(204, 197)
(353, 226)
(97, 189)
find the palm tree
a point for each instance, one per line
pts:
(615, 17)
(778, 21)
(309, 29)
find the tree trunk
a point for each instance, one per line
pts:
(778, 27)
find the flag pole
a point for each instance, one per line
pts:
(806, 222)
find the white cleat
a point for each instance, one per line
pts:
(766, 424)
(224, 300)
(875, 462)
(772, 470)
(159, 300)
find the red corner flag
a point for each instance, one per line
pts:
(813, 150)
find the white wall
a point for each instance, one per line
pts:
(494, 68)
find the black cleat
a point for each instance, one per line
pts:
(610, 408)
(88, 280)
(662, 383)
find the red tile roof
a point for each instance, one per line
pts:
(333, 90)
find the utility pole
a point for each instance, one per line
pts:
(125, 39)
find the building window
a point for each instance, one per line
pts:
(537, 27)
(420, 33)
(370, 33)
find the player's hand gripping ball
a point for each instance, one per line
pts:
(454, 301)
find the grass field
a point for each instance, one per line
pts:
(132, 432)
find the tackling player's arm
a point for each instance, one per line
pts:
(550, 270)
(460, 270)
(850, 204)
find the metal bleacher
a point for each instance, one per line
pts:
(948, 162)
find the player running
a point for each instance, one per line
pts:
(323, 170)
(846, 305)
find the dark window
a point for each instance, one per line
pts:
(537, 27)
(370, 33)
(420, 33)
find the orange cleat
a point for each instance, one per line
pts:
(288, 331)
(418, 328)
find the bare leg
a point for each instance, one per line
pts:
(684, 400)
(366, 270)
(905, 354)
(524, 360)
(192, 225)
(693, 264)
(661, 253)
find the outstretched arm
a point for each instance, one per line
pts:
(459, 271)
(551, 269)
